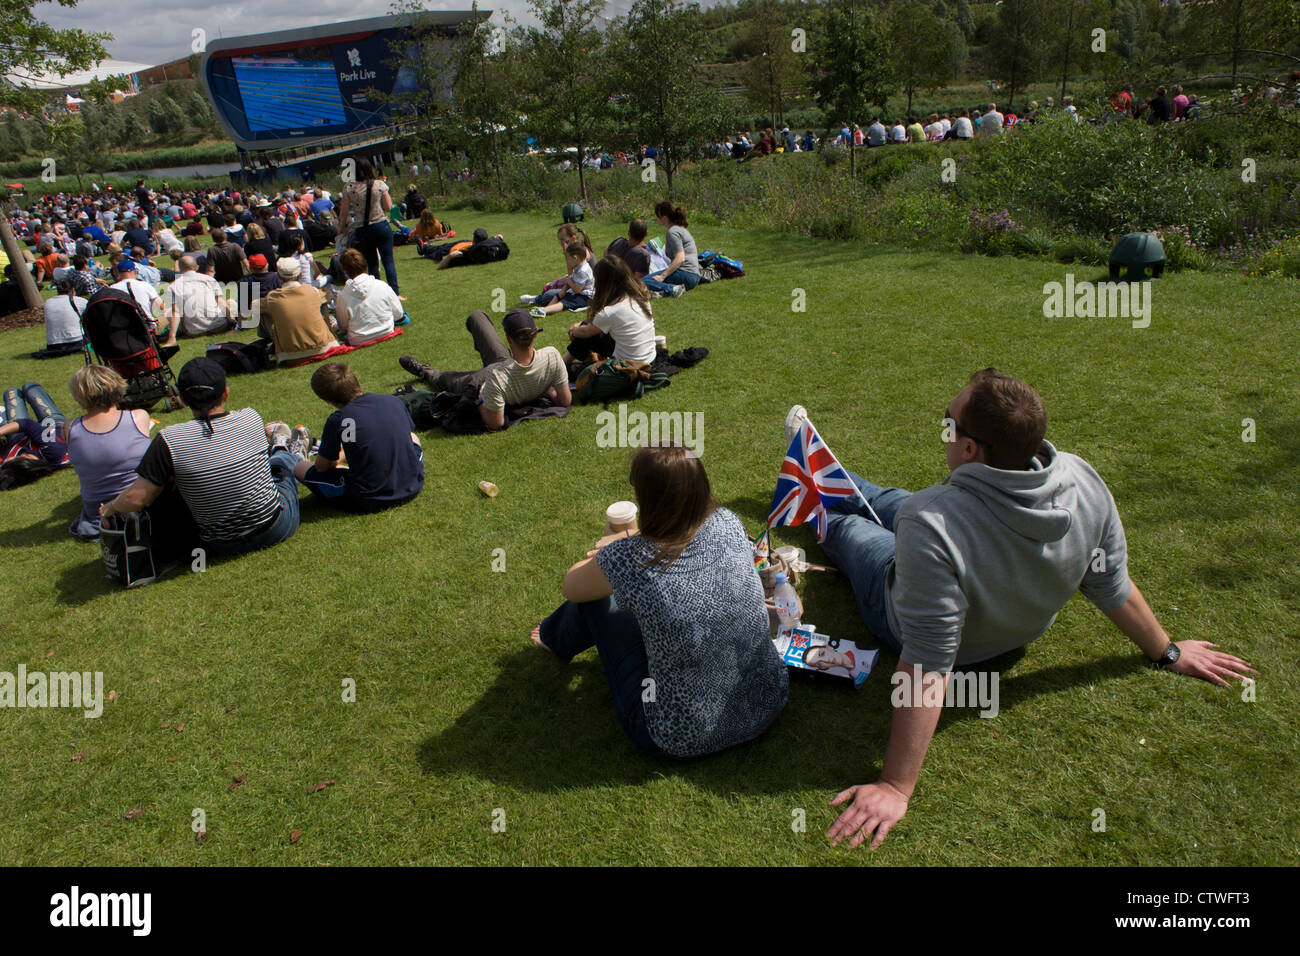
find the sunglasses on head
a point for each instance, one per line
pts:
(947, 414)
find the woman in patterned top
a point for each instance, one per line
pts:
(677, 615)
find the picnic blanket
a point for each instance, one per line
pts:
(459, 414)
(340, 350)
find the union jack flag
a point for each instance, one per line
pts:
(810, 479)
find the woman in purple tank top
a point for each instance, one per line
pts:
(105, 444)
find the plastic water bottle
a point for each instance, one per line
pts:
(787, 602)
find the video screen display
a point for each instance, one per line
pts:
(294, 89)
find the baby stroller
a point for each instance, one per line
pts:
(116, 332)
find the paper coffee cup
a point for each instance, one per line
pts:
(620, 516)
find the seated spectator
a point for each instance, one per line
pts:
(11, 293)
(679, 605)
(293, 316)
(809, 143)
(195, 303)
(962, 128)
(513, 375)
(414, 202)
(915, 131)
(683, 271)
(164, 239)
(259, 283)
(876, 132)
(258, 243)
(234, 229)
(897, 133)
(384, 464)
(632, 250)
(576, 290)
(366, 308)
(105, 444)
(143, 292)
(1161, 111)
(137, 235)
(429, 229)
(43, 268)
(991, 122)
(226, 258)
(63, 319)
(84, 280)
(620, 323)
(243, 496)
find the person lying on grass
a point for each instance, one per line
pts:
(676, 612)
(518, 375)
(384, 461)
(980, 565)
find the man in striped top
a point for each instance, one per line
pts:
(243, 494)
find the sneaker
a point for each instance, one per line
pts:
(425, 373)
(794, 420)
(537, 313)
(300, 443)
(528, 299)
(405, 320)
(677, 291)
(278, 435)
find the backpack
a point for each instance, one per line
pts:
(240, 358)
(126, 545)
(616, 378)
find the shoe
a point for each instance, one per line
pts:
(677, 291)
(794, 420)
(406, 320)
(425, 373)
(537, 313)
(278, 435)
(300, 443)
(528, 299)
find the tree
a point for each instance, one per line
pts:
(1236, 28)
(965, 20)
(851, 68)
(774, 68)
(1072, 39)
(564, 67)
(201, 115)
(1016, 48)
(133, 131)
(425, 50)
(668, 100)
(67, 143)
(29, 46)
(922, 48)
(483, 99)
(17, 134)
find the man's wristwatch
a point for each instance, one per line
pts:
(1170, 656)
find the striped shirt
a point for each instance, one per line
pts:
(224, 477)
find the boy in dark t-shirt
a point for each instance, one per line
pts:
(632, 250)
(372, 434)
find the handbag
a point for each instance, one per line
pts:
(354, 234)
(126, 546)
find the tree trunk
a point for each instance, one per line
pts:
(23, 275)
(1069, 38)
(582, 179)
(909, 99)
(437, 161)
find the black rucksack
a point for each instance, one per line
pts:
(242, 358)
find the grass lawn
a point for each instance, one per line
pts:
(457, 715)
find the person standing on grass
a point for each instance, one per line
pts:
(676, 613)
(980, 565)
(375, 234)
(683, 272)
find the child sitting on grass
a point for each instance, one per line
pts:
(372, 435)
(579, 285)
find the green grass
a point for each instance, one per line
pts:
(457, 715)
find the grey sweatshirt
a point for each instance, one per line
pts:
(985, 561)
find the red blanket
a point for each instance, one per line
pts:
(340, 350)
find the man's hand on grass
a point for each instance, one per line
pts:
(1200, 659)
(875, 807)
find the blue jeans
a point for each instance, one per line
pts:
(35, 396)
(572, 300)
(285, 523)
(376, 245)
(617, 637)
(665, 285)
(864, 551)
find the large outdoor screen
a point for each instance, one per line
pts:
(290, 90)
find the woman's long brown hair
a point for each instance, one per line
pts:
(614, 283)
(673, 494)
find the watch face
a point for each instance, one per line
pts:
(1172, 653)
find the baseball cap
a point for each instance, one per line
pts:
(201, 381)
(288, 268)
(519, 320)
(126, 265)
(257, 260)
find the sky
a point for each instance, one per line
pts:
(158, 31)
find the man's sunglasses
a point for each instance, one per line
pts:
(947, 414)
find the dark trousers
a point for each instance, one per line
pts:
(490, 349)
(377, 245)
(602, 344)
(617, 638)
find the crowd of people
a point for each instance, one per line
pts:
(953, 575)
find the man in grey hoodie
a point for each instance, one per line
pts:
(980, 565)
